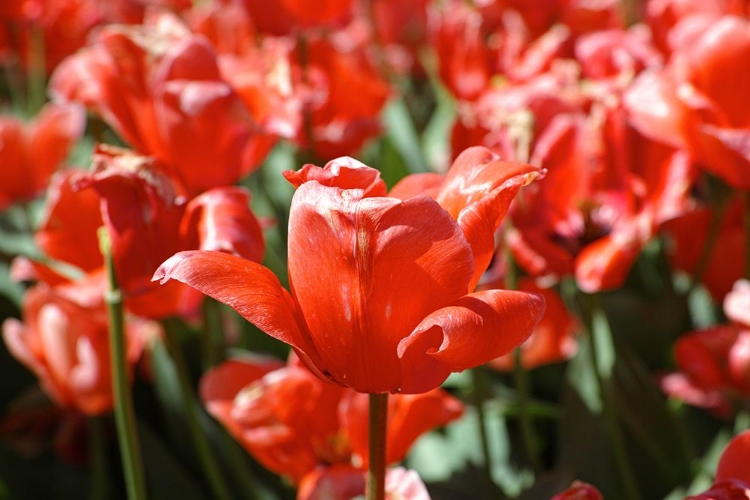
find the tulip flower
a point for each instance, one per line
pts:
(30, 153)
(381, 288)
(293, 422)
(345, 483)
(726, 263)
(695, 101)
(64, 340)
(131, 196)
(579, 491)
(732, 481)
(714, 363)
(159, 87)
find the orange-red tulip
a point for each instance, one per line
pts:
(159, 87)
(714, 364)
(344, 483)
(292, 422)
(381, 288)
(64, 341)
(30, 153)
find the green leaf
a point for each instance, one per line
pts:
(401, 131)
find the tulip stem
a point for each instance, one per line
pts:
(717, 214)
(130, 451)
(211, 471)
(528, 438)
(36, 71)
(378, 426)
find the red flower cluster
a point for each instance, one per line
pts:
(306, 429)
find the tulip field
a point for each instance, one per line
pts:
(375, 249)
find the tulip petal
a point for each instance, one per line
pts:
(249, 288)
(475, 329)
(426, 183)
(605, 263)
(366, 271)
(477, 192)
(225, 223)
(734, 460)
(345, 173)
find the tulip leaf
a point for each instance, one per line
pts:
(169, 396)
(8, 288)
(456, 451)
(436, 137)
(401, 130)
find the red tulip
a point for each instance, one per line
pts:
(286, 17)
(732, 481)
(64, 340)
(159, 87)
(381, 287)
(30, 153)
(695, 102)
(340, 69)
(714, 363)
(67, 231)
(579, 491)
(704, 378)
(291, 421)
(344, 483)
(687, 235)
(148, 221)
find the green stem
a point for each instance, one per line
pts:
(605, 386)
(378, 427)
(528, 437)
(213, 335)
(717, 214)
(36, 72)
(100, 489)
(211, 471)
(130, 450)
